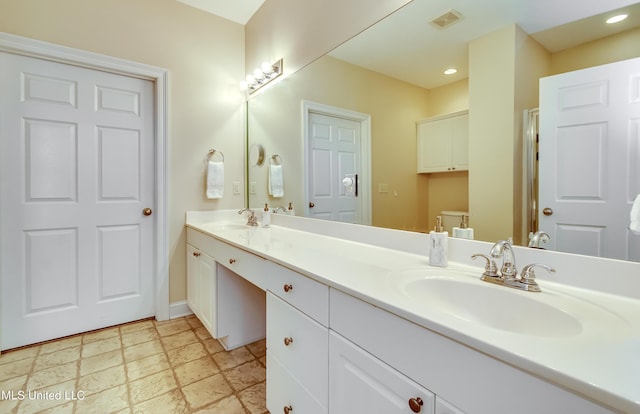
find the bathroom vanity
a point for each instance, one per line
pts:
(357, 321)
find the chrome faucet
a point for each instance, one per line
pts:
(277, 210)
(503, 249)
(537, 237)
(527, 279)
(508, 274)
(252, 220)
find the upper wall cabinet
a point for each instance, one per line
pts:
(443, 143)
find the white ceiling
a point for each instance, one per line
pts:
(405, 46)
(239, 11)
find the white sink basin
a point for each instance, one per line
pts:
(498, 307)
(460, 295)
(230, 226)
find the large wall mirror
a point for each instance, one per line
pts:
(390, 76)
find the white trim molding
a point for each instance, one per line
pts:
(10, 43)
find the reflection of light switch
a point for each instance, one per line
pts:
(252, 187)
(236, 187)
(383, 188)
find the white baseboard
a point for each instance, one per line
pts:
(179, 309)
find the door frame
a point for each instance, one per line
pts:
(309, 107)
(23, 46)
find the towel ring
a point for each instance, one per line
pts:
(275, 160)
(213, 152)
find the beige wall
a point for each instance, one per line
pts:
(611, 49)
(302, 31)
(205, 58)
(491, 126)
(276, 114)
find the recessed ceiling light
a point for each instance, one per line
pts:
(616, 19)
(450, 71)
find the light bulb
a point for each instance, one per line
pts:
(266, 68)
(250, 79)
(258, 74)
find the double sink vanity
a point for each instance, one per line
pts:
(356, 320)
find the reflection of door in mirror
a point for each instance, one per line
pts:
(337, 155)
(589, 159)
(334, 155)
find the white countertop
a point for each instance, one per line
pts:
(600, 363)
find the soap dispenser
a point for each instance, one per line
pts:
(463, 232)
(290, 210)
(266, 216)
(438, 245)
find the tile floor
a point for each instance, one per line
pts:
(141, 367)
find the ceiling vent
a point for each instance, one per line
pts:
(447, 19)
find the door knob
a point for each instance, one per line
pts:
(547, 211)
(311, 205)
(147, 211)
(416, 404)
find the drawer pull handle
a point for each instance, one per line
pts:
(288, 287)
(196, 254)
(416, 404)
(288, 409)
(288, 341)
(232, 261)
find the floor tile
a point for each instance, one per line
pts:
(196, 370)
(187, 353)
(226, 360)
(207, 391)
(148, 387)
(139, 367)
(101, 361)
(246, 375)
(171, 402)
(147, 366)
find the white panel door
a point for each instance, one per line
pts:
(334, 164)
(76, 250)
(590, 158)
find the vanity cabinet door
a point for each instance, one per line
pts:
(201, 287)
(286, 394)
(361, 383)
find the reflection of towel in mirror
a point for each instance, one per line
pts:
(215, 179)
(276, 181)
(635, 216)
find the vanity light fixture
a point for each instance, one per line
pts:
(617, 18)
(450, 71)
(261, 76)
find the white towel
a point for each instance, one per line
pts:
(635, 216)
(215, 179)
(276, 181)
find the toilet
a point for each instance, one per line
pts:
(451, 219)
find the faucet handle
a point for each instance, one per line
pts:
(528, 276)
(490, 268)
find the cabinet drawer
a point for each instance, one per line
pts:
(300, 344)
(241, 262)
(380, 388)
(284, 391)
(300, 291)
